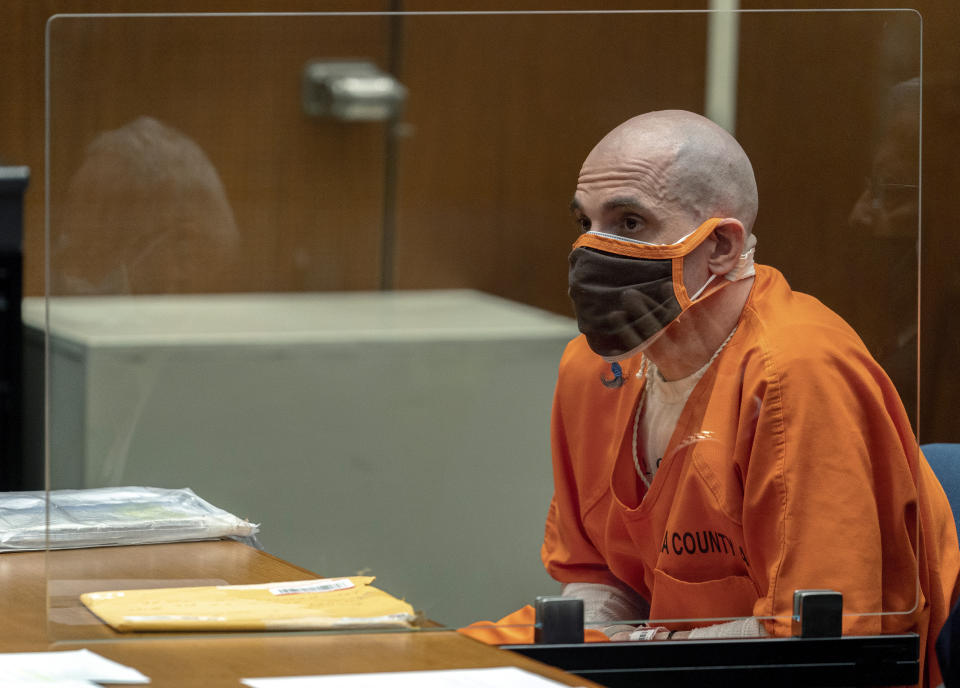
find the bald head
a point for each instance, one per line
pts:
(149, 199)
(689, 163)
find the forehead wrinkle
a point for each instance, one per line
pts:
(650, 178)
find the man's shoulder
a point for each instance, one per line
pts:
(786, 316)
(577, 356)
(791, 330)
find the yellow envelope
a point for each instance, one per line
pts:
(324, 603)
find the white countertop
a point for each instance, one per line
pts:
(292, 318)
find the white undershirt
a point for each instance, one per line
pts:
(663, 404)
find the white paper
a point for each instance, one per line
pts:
(496, 677)
(17, 683)
(74, 668)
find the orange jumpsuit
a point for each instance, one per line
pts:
(793, 466)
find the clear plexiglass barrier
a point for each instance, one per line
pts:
(308, 292)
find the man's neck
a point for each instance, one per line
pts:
(694, 337)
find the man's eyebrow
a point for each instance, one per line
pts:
(613, 204)
(624, 202)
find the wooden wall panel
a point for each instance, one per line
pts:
(812, 102)
(940, 242)
(884, 62)
(306, 194)
(499, 119)
(503, 111)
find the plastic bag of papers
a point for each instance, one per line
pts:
(112, 516)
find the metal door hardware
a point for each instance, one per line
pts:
(351, 90)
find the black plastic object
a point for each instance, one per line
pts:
(884, 660)
(13, 183)
(558, 620)
(817, 613)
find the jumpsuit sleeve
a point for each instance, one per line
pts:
(568, 552)
(830, 493)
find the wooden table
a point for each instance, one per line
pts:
(208, 659)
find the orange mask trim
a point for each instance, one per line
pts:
(674, 252)
(635, 249)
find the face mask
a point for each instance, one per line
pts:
(625, 292)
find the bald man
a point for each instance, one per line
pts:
(720, 441)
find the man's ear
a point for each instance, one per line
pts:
(729, 237)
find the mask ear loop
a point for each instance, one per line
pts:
(701, 289)
(687, 301)
(680, 288)
(743, 268)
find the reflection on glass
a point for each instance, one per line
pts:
(940, 340)
(882, 243)
(146, 213)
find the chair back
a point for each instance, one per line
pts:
(944, 459)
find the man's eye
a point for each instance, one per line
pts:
(584, 224)
(632, 224)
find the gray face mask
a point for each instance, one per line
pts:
(620, 302)
(626, 292)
